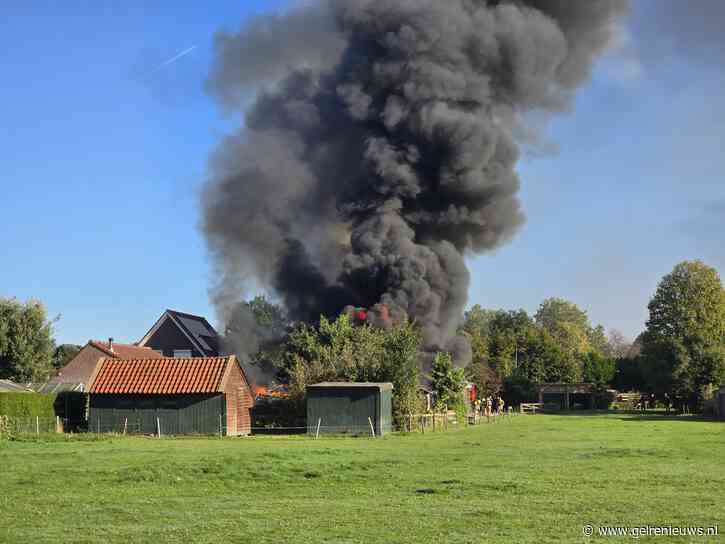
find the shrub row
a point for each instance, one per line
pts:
(27, 405)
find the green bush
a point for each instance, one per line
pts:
(27, 405)
(460, 407)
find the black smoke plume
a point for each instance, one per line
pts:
(381, 147)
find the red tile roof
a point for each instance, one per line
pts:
(166, 376)
(125, 351)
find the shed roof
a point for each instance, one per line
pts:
(383, 386)
(54, 386)
(558, 387)
(165, 376)
(7, 386)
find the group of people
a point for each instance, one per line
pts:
(650, 402)
(490, 407)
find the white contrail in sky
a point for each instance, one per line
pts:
(173, 59)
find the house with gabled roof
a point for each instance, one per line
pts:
(178, 334)
(79, 369)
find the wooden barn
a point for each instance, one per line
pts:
(349, 407)
(170, 396)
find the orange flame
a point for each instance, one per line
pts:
(264, 391)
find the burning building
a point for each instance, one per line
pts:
(381, 148)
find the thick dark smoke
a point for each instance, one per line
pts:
(383, 148)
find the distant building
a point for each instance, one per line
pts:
(565, 396)
(720, 404)
(76, 374)
(170, 396)
(177, 334)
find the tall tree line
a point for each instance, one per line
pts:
(681, 352)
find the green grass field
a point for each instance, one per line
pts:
(529, 479)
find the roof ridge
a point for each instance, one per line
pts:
(186, 314)
(100, 346)
(133, 345)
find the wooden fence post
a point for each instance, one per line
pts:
(317, 432)
(37, 425)
(372, 429)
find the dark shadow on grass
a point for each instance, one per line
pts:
(578, 413)
(670, 417)
(636, 415)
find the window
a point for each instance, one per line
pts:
(182, 353)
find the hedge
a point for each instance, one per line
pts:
(27, 405)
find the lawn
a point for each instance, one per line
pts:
(529, 479)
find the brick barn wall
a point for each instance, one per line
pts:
(244, 417)
(238, 403)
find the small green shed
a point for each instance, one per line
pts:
(349, 408)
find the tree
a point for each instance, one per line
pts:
(684, 341)
(598, 340)
(486, 380)
(63, 354)
(495, 336)
(400, 346)
(635, 349)
(476, 328)
(598, 370)
(447, 381)
(568, 324)
(555, 311)
(618, 346)
(26, 342)
(542, 360)
(340, 350)
(255, 331)
(477, 320)
(628, 374)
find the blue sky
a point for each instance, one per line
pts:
(103, 153)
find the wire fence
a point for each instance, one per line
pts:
(11, 425)
(411, 423)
